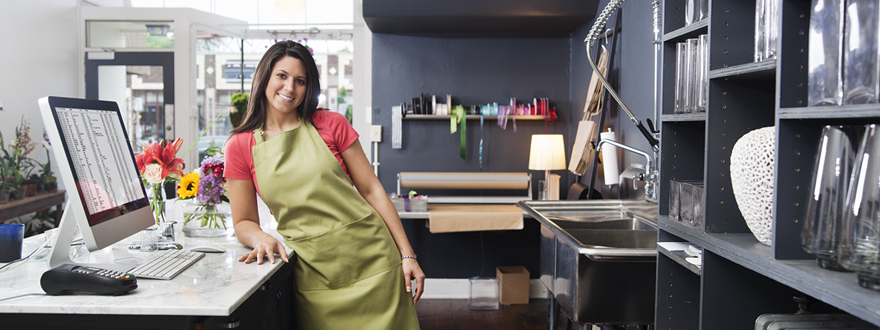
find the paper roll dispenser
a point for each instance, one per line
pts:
(456, 181)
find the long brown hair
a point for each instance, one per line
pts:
(255, 116)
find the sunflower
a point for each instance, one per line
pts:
(189, 186)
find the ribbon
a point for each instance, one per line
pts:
(463, 137)
(481, 142)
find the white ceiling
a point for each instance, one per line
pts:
(265, 14)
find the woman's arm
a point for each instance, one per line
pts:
(246, 221)
(370, 188)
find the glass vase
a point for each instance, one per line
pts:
(860, 245)
(825, 208)
(157, 201)
(201, 220)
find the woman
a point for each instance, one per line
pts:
(354, 263)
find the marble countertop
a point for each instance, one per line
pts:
(214, 286)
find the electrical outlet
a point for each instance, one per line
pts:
(375, 133)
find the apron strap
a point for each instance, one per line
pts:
(258, 135)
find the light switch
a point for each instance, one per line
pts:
(375, 133)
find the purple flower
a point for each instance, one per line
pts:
(210, 189)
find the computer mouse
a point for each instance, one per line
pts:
(208, 248)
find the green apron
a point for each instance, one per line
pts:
(347, 270)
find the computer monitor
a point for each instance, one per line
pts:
(105, 195)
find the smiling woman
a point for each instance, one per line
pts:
(354, 263)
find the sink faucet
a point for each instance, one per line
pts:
(648, 175)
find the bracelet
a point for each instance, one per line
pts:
(259, 240)
(412, 256)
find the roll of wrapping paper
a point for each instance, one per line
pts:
(609, 159)
(464, 180)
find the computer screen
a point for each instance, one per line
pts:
(106, 197)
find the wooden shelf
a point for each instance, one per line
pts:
(765, 70)
(469, 117)
(680, 258)
(31, 204)
(835, 288)
(840, 112)
(694, 116)
(690, 31)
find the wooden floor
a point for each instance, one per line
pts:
(445, 314)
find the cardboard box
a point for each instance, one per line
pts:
(513, 285)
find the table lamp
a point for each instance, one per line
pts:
(547, 153)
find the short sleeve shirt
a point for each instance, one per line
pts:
(331, 126)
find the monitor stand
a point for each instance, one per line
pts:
(60, 253)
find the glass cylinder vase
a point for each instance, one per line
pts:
(201, 220)
(157, 201)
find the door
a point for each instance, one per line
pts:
(142, 83)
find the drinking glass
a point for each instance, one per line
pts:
(680, 87)
(861, 69)
(825, 208)
(826, 52)
(860, 245)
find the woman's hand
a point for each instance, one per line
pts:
(412, 270)
(265, 247)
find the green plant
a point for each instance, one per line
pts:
(46, 175)
(239, 108)
(14, 164)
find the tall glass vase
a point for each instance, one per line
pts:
(157, 201)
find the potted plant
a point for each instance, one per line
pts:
(15, 165)
(47, 179)
(239, 108)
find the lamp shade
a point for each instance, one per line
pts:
(547, 152)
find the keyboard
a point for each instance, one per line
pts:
(166, 264)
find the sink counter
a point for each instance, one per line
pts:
(598, 258)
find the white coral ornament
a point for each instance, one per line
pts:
(752, 162)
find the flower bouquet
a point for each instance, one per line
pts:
(158, 165)
(210, 209)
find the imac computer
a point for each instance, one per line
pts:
(105, 195)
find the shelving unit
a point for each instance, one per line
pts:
(741, 278)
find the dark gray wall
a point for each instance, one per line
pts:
(478, 70)
(473, 71)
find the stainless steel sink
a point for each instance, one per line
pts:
(598, 258)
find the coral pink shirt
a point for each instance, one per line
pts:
(331, 126)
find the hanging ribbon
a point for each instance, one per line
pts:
(462, 120)
(481, 141)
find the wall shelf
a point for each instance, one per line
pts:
(839, 112)
(678, 117)
(470, 117)
(680, 258)
(765, 70)
(690, 31)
